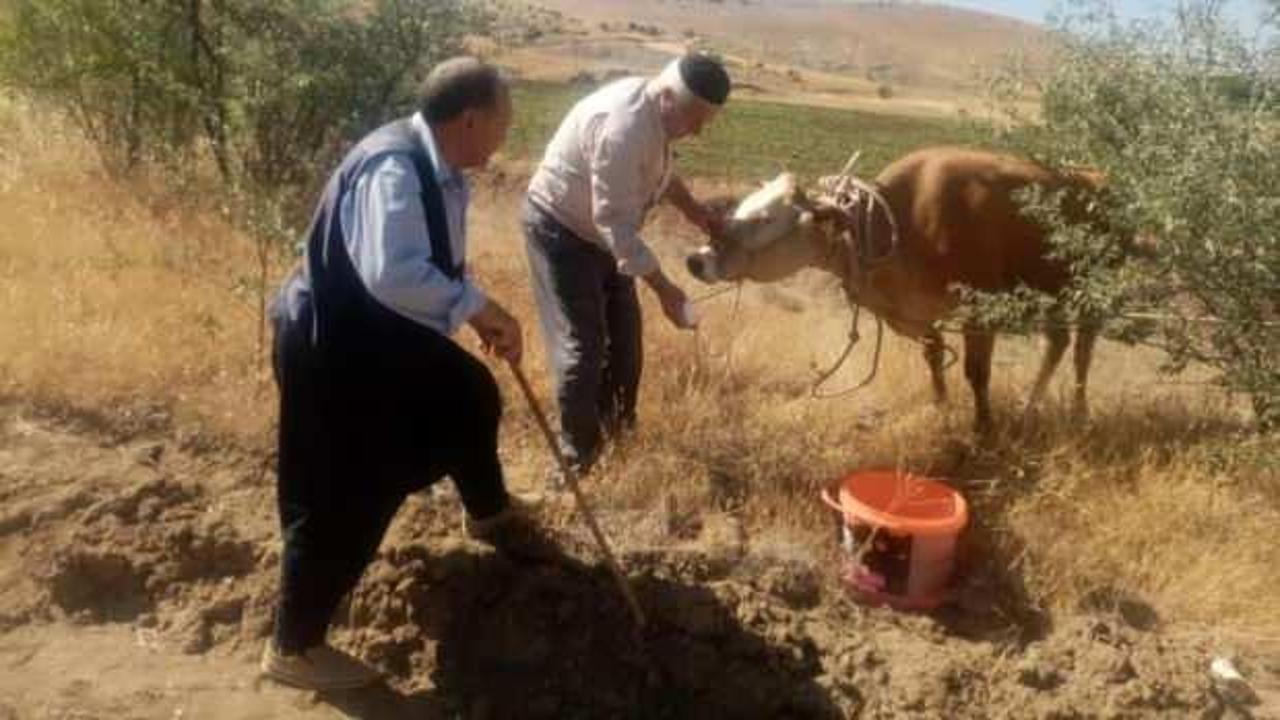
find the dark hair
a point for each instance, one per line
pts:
(457, 85)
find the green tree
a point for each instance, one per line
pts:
(1182, 119)
(115, 66)
(271, 90)
(268, 87)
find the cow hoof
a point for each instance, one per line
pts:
(983, 427)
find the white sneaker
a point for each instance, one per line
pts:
(318, 668)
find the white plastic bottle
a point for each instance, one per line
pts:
(688, 315)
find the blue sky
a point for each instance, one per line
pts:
(1245, 11)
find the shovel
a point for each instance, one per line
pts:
(571, 479)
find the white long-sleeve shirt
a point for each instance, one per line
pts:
(607, 165)
(385, 228)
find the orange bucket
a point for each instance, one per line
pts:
(900, 532)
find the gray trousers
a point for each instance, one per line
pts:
(590, 320)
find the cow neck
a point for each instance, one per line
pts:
(839, 259)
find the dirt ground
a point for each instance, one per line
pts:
(138, 570)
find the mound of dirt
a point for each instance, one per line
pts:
(1105, 665)
(558, 641)
(155, 550)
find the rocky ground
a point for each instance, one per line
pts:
(138, 570)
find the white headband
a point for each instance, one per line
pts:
(671, 79)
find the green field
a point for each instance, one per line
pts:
(754, 140)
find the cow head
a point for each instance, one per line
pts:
(768, 236)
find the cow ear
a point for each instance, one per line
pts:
(797, 196)
(791, 189)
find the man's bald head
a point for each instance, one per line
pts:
(460, 84)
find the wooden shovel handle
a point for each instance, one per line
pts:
(584, 507)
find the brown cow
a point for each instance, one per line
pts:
(957, 223)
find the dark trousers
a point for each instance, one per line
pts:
(590, 320)
(354, 441)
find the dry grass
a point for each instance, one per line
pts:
(109, 303)
(111, 299)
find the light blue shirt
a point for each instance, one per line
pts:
(385, 228)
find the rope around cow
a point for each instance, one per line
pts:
(856, 201)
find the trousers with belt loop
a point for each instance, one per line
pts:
(590, 319)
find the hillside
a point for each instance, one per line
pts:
(927, 51)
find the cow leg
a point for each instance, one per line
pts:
(978, 346)
(1086, 337)
(935, 353)
(1059, 337)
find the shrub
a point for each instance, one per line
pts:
(270, 87)
(1191, 163)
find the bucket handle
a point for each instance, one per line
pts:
(830, 501)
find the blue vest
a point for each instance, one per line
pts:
(326, 297)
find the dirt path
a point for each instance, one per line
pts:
(137, 577)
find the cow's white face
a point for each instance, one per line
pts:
(767, 237)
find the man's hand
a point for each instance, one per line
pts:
(707, 219)
(499, 332)
(671, 297)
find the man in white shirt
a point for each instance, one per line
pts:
(376, 400)
(606, 167)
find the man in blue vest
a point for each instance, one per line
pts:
(376, 400)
